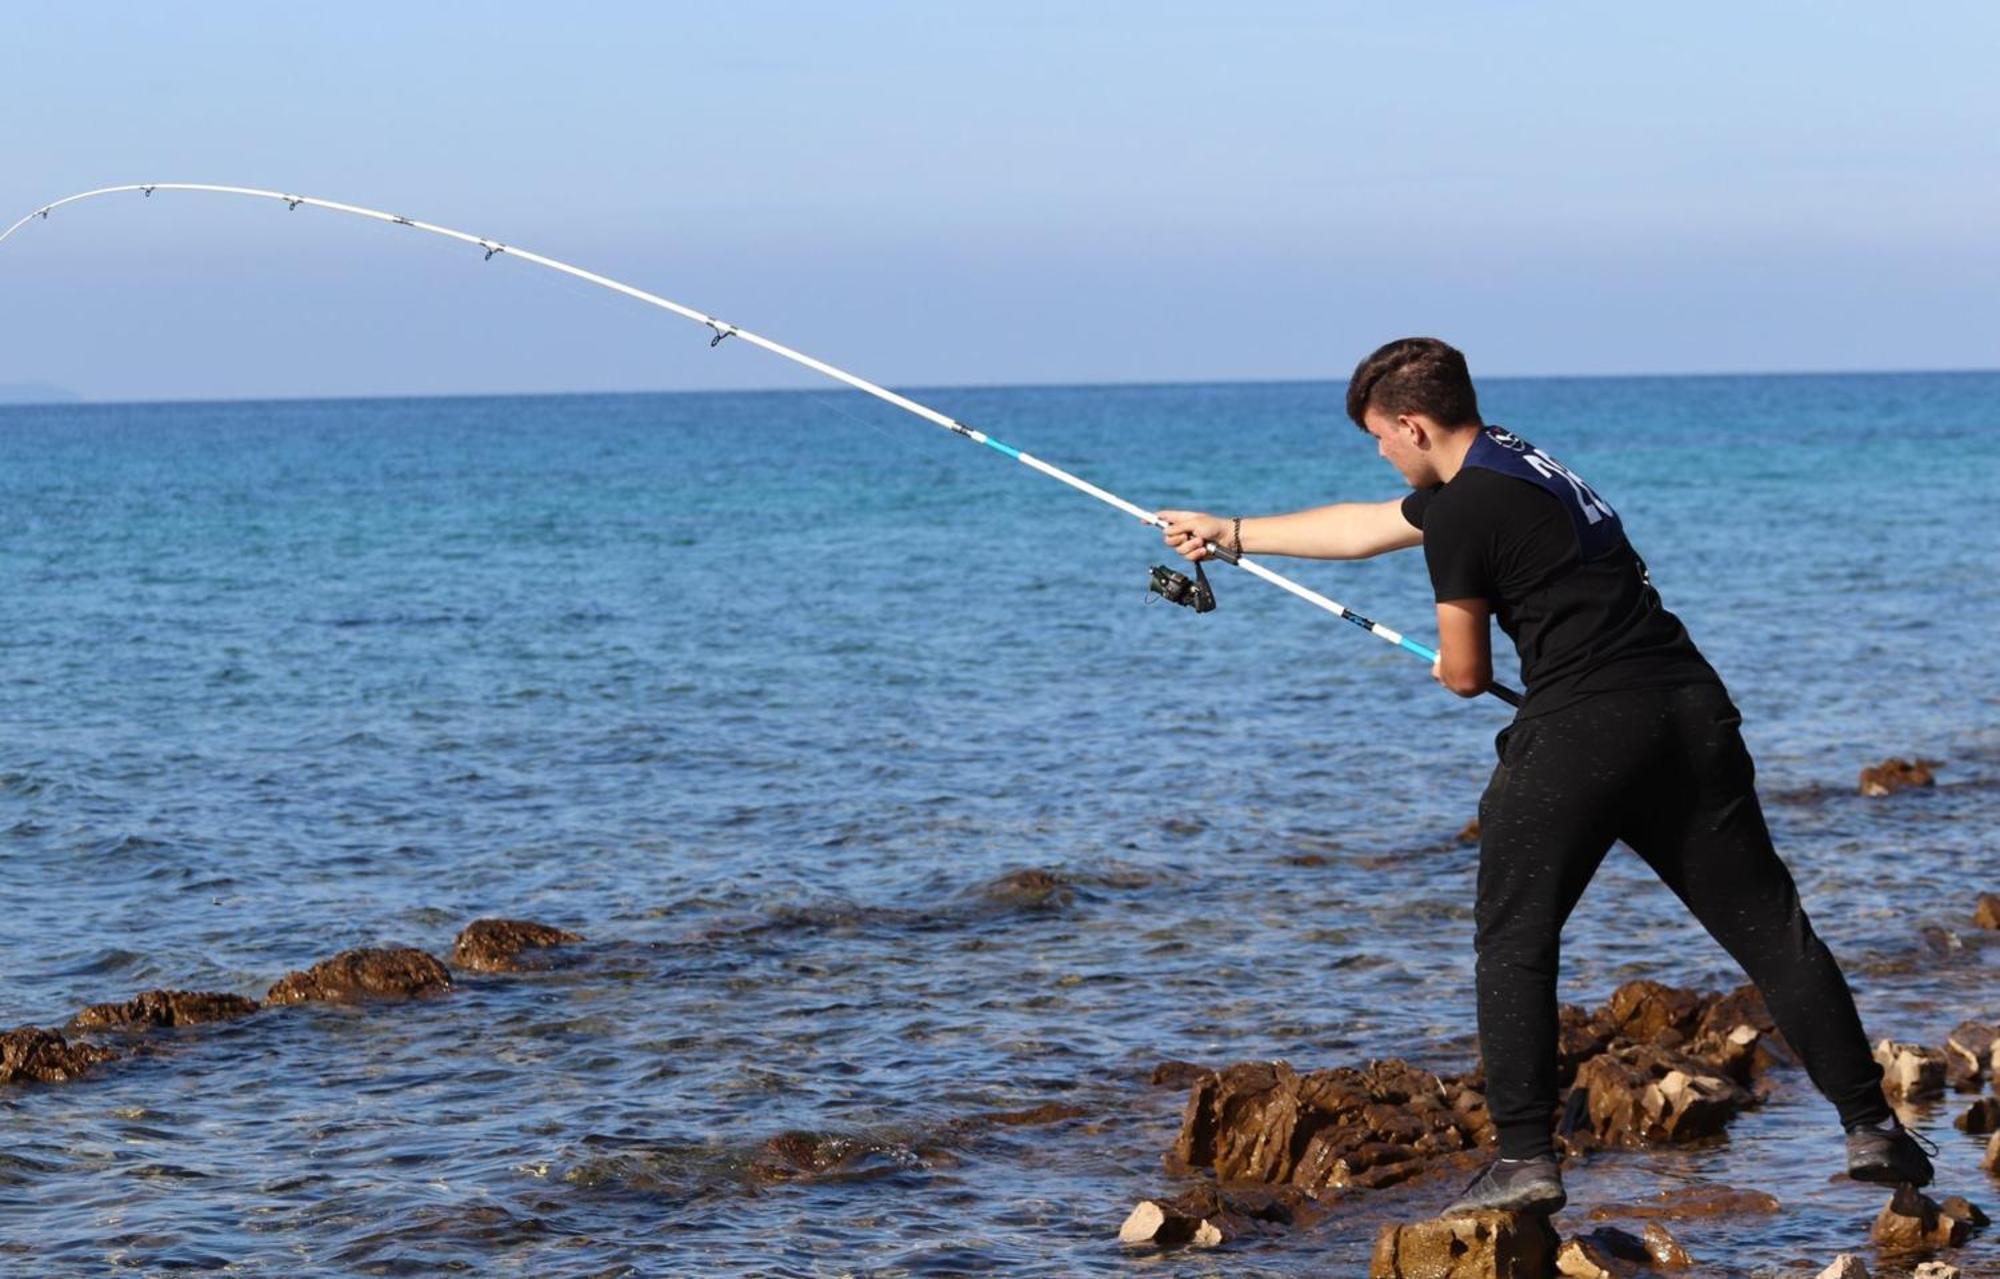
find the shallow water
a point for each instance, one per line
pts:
(759, 691)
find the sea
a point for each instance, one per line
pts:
(769, 694)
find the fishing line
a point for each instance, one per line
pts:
(721, 330)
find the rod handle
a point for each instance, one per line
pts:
(1505, 694)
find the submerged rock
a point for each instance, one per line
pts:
(1480, 1245)
(1897, 774)
(353, 975)
(1987, 913)
(496, 945)
(814, 1156)
(1664, 1249)
(1912, 1221)
(1692, 1202)
(30, 1054)
(164, 1008)
(1028, 889)
(1910, 1072)
(1177, 1074)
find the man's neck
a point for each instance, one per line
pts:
(1450, 448)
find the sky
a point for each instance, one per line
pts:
(985, 193)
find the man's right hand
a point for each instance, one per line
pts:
(1188, 531)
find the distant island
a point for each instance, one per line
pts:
(36, 393)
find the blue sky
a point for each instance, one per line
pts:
(986, 193)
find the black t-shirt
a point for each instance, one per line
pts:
(1581, 626)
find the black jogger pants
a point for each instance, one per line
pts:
(1665, 770)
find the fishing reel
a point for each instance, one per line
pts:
(1179, 588)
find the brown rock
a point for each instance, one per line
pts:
(1604, 1253)
(1991, 1161)
(1966, 1052)
(1650, 1012)
(1155, 1223)
(1845, 1266)
(352, 975)
(1987, 913)
(1910, 1072)
(1642, 1096)
(1693, 1202)
(1935, 1270)
(1983, 1116)
(1177, 1074)
(1469, 834)
(1209, 1215)
(496, 945)
(1030, 889)
(1049, 1112)
(1664, 1249)
(164, 1008)
(1896, 774)
(1958, 1207)
(1371, 1127)
(30, 1054)
(1911, 1222)
(1482, 1245)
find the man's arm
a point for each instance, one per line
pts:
(1465, 647)
(1344, 531)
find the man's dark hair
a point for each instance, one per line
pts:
(1414, 375)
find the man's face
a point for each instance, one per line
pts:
(1399, 441)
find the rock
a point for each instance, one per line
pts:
(395, 973)
(1910, 1072)
(1384, 1123)
(1896, 774)
(1991, 1162)
(1643, 1096)
(496, 945)
(1177, 1074)
(1958, 1207)
(1692, 1202)
(1935, 1270)
(1967, 1051)
(30, 1054)
(1649, 1012)
(1912, 1222)
(1030, 889)
(1469, 833)
(1209, 1215)
(1982, 1116)
(1049, 1112)
(164, 1008)
(1664, 1249)
(1987, 913)
(1845, 1266)
(1152, 1222)
(1481, 1245)
(1604, 1253)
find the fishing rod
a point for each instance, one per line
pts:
(1164, 583)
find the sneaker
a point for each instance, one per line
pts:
(1513, 1185)
(1889, 1152)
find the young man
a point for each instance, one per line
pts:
(1626, 733)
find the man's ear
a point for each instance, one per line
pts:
(1414, 424)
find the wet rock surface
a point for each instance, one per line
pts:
(1692, 1203)
(364, 974)
(1986, 914)
(1481, 1245)
(1910, 1072)
(1208, 1216)
(1029, 889)
(164, 1008)
(32, 1054)
(1968, 1050)
(507, 945)
(1845, 1266)
(1982, 1116)
(1637, 1095)
(1896, 774)
(1369, 1127)
(1913, 1222)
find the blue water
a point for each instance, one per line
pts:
(759, 690)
